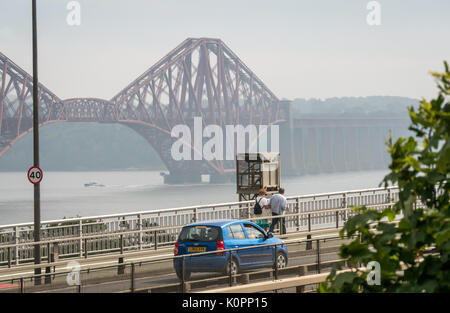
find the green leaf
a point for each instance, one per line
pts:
(443, 236)
(344, 278)
(420, 166)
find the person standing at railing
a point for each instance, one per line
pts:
(262, 208)
(278, 204)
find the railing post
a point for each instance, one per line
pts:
(48, 275)
(132, 277)
(344, 201)
(140, 231)
(195, 215)
(121, 244)
(301, 272)
(309, 222)
(48, 253)
(298, 214)
(9, 257)
(229, 264)
(16, 241)
(337, 219)
(121, 266)
(183, 269)
(156, 240)
(276, 263)
(54, 256)
(80, 235)
(318, 255)
(86, 248)
(308, 242)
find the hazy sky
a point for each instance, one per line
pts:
(300, 49)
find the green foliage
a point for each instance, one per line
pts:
(420, 166)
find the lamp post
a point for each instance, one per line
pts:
(37, 200)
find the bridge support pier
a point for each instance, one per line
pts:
(196, 178)
(173, 179)
(222, 178)
(286, 140)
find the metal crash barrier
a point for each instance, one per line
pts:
(83, 237)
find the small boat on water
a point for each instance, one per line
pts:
(93, 184)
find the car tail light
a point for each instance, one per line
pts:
(175, 250)
(220, 245)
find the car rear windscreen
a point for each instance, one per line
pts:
(200, 233)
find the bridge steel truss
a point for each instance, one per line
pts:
(201, 77)
(16, 104)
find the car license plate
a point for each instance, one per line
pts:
(196, 249)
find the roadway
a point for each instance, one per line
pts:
(102, 277)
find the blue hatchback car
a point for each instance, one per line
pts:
(226, 234)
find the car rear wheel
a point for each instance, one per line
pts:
(234, 267)
(281, 260)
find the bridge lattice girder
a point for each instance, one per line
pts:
(16, 104)
(201, 77)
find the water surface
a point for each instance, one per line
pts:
(63, 194)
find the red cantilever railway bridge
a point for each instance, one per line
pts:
(200, 77)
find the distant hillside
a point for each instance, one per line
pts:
(375, 106)
(83, 147)
(94, 146)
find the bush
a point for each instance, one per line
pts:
(420, 166)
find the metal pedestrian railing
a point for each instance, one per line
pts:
(132, 270)
(84, 236)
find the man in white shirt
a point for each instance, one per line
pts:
(278, 205)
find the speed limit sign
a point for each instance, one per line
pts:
(35, 175)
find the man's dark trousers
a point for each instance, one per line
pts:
(275, 222)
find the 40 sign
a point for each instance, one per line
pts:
(35, 175)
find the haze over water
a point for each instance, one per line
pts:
(63, 194)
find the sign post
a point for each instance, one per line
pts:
(37, 197)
